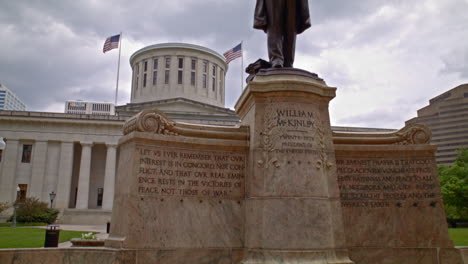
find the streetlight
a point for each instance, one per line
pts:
(2, 143)
(52, 197)
(2, 147)
(15, 206)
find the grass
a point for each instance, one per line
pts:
(23, 224)
(24, 237)
(459, 236)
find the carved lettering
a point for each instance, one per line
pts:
(188, 173)
(379, 182)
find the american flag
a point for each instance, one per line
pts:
(111, 43)
(233, 53)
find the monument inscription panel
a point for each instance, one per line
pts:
(377, 181)
(396, 185)
(169, 171)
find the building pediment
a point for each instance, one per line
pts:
(176, 106)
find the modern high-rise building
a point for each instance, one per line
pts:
(89, 108)
(447, 117)
(9, 100)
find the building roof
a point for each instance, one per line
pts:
(177, 45)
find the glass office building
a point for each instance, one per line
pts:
(9, 100)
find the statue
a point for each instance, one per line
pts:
(282, 20)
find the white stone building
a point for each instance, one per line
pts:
(75, 155)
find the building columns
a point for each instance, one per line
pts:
(84, 176)
(65, 171)
(109, 178)
(8, 172)
(38, 169)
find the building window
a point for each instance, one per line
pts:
(194, 64)
(166, 77)
(167, 73)
(213, 84)
(180, 76)
(137, 72)
(168, 63)
(192, 78)
(181, 63)
(1, 152)
(100, 194)
(204, 81)
(155, 64)
(26, 156)
(144, 80)
(193, 73)
(21, 194)
(145, 66)
(180, 73)
(205, 71)
(155, 77)
(220, 85)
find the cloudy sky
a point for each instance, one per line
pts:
(386, 57)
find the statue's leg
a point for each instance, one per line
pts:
(276, 14)
(289, 39)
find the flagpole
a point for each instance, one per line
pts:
(242, 66)
(118, 71)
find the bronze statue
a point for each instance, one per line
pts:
(282, 20)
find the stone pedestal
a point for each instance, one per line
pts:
(293, 212)
(179, 191)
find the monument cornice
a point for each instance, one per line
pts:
(413, 134)
(65, 120)
(156, 122)
(287, 82)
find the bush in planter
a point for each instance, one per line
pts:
(31, 210)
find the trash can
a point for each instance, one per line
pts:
(108, 227)
(52, 236)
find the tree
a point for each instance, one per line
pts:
(454, 185)
(31, 210)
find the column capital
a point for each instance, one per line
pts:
(86, 143)
(111, 145)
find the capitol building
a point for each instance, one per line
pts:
(75, 155)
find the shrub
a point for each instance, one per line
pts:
(31, 210)
(3, 206)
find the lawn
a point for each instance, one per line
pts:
(459, 236)
(24, 237)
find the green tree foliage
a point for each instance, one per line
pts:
(3, 206)
(31, 210)
(454, 184)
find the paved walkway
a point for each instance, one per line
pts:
(101, 229)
